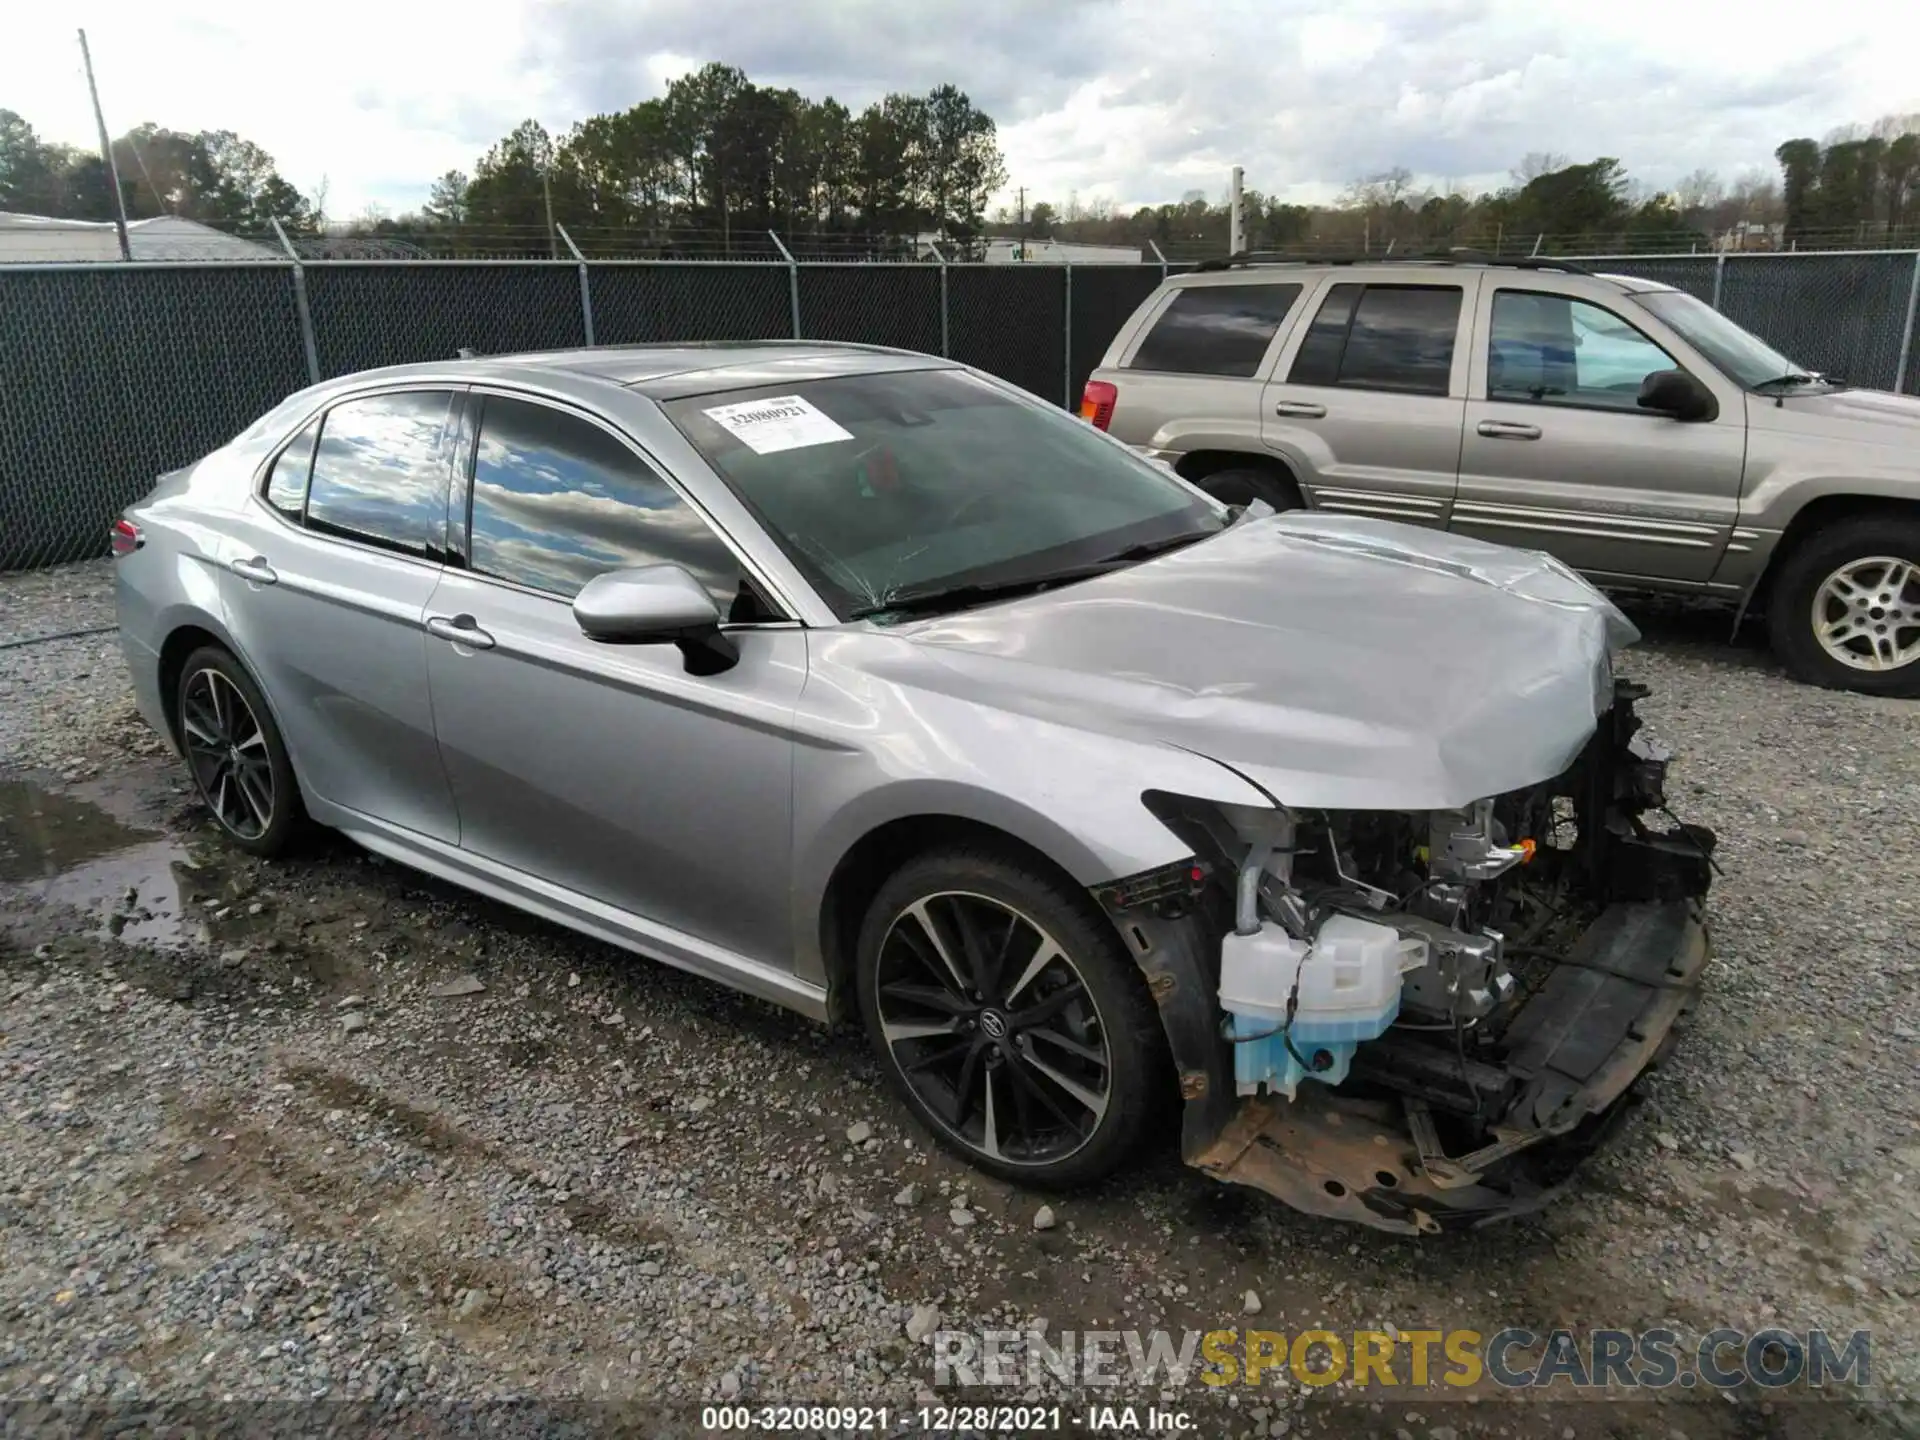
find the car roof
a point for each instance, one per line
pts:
(668, 371)
(1238, 270)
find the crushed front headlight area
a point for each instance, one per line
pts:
(1425, 1020)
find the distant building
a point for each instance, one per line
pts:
(41, 239)
(1752, 235)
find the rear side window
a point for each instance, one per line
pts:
(287, 482)
(380, 471)
(1382, 337)
(558, 500)
(1215, 329)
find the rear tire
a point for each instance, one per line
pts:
(1243, 484)
(234, 751)
(1009, 1018)
(1844, 610)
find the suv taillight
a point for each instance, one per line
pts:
(1096, 403)
(126, 537)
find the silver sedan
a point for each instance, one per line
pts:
(872, 686)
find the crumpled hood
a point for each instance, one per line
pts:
(1336, 661)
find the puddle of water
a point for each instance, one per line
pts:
(58, 849)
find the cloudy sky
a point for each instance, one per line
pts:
(1134, 100)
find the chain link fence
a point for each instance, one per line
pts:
(111, 374)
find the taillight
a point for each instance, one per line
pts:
(126, 537)
(1096, 403)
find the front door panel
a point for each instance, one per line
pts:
(610, 770)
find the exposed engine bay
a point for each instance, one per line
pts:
(1425, 1019)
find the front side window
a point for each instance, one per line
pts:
(558, 500)
(1552, 349)
(380, 471)
(1215, 329)
(895, 484)
(287, 481)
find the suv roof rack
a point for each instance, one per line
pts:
(1457, 256)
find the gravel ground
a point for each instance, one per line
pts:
(254, 1150)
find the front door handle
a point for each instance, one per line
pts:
(255, 569)
(1303, 409)
(1508, 430)
(461, 630)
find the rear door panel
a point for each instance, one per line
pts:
(1368, 450)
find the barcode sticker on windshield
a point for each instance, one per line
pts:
(784, 422)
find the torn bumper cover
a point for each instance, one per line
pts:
(1605, 1015)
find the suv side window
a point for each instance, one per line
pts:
(380, 471)
(1555, 350)
(1215, 329)
(1382, 337)
(287, 482)
(558, 500)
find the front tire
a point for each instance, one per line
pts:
(1009, 1018)
(1845, 609)
(234, 751)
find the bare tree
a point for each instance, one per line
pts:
(1536, 163)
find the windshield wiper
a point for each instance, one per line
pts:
(1791, 378)
(977, 592)
(958, 597)
(1147, 549)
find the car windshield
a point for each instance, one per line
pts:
(889, 490)
(1746, 358)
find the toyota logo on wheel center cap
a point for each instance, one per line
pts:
(994, 1024)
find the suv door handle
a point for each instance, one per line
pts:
(1508, 430)
(255, 569)
(461, 630)
(1304, 409)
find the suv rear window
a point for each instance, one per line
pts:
(1215, 329)
(1382, 337)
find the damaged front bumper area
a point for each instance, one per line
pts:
(1548, 943)
(1380, 1154)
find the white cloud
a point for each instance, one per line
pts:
(1136, 100)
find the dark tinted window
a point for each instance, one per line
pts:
(1318, 360)
(1402, 339)
(1215, 329)
(1381, 337)
(287, 482)
(557, 500)
(380, 472)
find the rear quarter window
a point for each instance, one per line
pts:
(1215, 329)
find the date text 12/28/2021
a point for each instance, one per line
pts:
(944, 1419)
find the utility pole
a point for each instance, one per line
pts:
(1236, 227)
(1022, 226)
(546, 194)
(106, 154)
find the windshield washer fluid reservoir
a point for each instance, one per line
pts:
(1345, 988)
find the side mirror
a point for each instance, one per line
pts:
(1676, 393)
(656, 604)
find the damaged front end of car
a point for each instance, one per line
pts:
(1424, 1020)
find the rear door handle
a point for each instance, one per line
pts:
(461, 630)
(1304, 409)
(255, 569)
(1508, 430)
